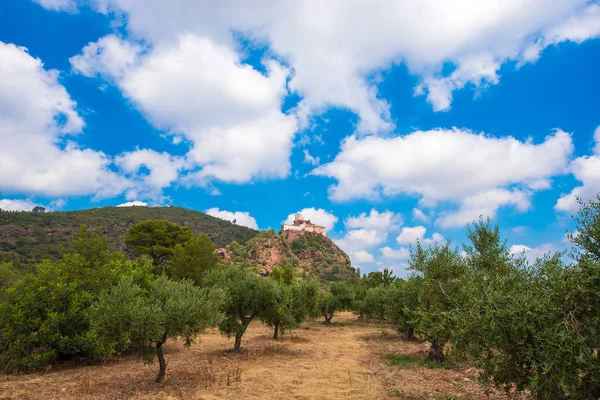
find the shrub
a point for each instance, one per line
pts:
(43, 318)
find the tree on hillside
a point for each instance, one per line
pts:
(157, 239)
(129, 317)
(250, 297)
(283, 274)
(238, 252)
(192, 259)
(8, 274)
(92, 245)
(339, 297)
(441, 268)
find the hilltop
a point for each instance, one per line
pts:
(28, 237)
(308, 253)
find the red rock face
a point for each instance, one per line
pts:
(224, 255)
(321, 257)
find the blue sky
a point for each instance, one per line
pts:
(386, 121)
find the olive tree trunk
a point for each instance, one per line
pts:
(238, 336)
(162, 365)
(328, 318)
(436, 351)
(276, 330)
(408, 333)
(548, 387)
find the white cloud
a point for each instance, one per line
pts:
(381, 221)
(57, 204)
(17, 205)
(163, 169)
(401, 253)
(532, 254)
(109, 57)
(308, 159)
(241, 217)
(362, 256)
(578, 28)
(410, 235)
(337, 47)
(135, 203)
(586, 169)
(37, 119)
(316, 216)
(485, 204)
(420, 216)
(361, 239)
(366, 231)
(195, 87)
(58, 5)
(458, 166)
(479, 70)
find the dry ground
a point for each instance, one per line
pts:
(314, 362)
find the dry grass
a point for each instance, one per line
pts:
(318, 362)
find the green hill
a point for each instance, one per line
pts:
(28, 237)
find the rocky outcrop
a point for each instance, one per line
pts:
(308, 253)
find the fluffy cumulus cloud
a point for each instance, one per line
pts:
(316, 216)
(240, 217)
(365, 232)
(478, 172)
(229, 112)
(183, 68)
(151, 171)
(17, 205)
(485, 204)
(532, 253)
(380, 221)
(336, 48)
(363, 256)
(38, 124)
(586, 170)
(410, 235)
(135, 203)
(401, 253)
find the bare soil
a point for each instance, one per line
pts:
(343, 361)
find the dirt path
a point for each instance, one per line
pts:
(313, 362)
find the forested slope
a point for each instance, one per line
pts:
(28, 237)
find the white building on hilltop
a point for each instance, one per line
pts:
(303, 225)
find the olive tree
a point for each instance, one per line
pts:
(251, 296)
(402, 303)
(441, 267)
(129, 317)
(339, 297)
(532, 327)
(292, 303)
(374, 302)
